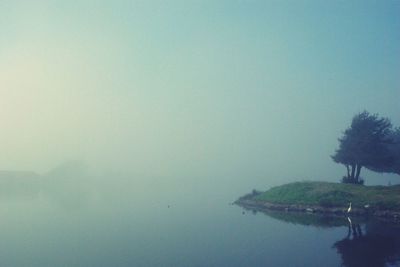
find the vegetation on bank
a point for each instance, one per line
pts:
(327, 194)
(370, 142)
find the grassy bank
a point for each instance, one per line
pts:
(330, 195)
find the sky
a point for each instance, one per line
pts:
(243, 92)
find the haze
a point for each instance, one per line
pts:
(232, 94)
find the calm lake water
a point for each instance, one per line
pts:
(103, 223)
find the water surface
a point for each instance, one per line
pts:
(105, 222)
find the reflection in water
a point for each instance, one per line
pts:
(317, 220)
(366, 243)
(101, 222)
(378, 246)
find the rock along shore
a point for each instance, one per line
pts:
(249, 203)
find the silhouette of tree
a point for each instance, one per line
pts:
(395, 150)
(365, 144)
(392, 162)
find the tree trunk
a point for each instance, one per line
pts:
(353, 170)
(358, 171)
(348, 170)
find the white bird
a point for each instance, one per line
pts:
(349, 209)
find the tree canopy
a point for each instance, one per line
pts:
(392, 164)
(369, 142)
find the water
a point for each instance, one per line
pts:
(99, 223)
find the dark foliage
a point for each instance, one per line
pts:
(369, 142)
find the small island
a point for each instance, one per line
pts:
(327, 198)
(369, 142)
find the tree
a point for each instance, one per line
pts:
(390, 163)
(365, 144)
(395, 150)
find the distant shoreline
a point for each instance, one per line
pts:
(327, 198)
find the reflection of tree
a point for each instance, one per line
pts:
(367, 244)
(378, 246)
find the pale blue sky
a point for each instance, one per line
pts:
(243, 89)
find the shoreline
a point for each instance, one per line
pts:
(248, 203)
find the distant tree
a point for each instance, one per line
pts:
(391, 162)
(365, 144)
(395, 150)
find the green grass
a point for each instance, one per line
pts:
(334, 195)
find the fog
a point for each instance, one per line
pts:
(230, 95)
(128, 128)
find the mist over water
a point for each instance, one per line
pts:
(128, 127)
(113, 220)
